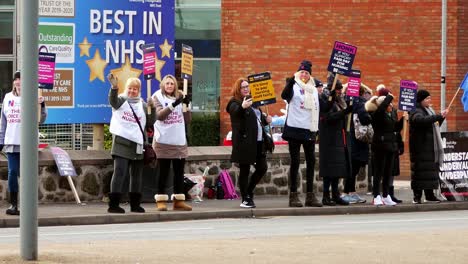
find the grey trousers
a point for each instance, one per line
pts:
(122, 169)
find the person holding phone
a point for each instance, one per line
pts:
(247, 139)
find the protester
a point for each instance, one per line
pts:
(426, 151)
(170, 141)
(384, 145)
(10, 123)
(300, 128)
(334, 142)
(127, 142)
(247, 139)
(359, 149)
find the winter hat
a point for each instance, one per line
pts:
(380, 86)
(371, 104)
(421, 95)
(305, 66)
(318, 83)
(17, 75)
(383, 92)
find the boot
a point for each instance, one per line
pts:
(338, 200)
(326, 199)
(311, 200)
(13, 210)
(114, 201)
(294, 200)
(135, 202)
(161, 201)
(430, 196)
(391, 192)
(179, 203)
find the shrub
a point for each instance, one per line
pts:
(204, 129)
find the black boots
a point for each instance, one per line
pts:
(114, 201)
(311, 200)
(338, 200)
(294, 200)
(135, 201)
(391, 192)
(326, 199)
(13, 210)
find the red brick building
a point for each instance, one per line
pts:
(395, 39)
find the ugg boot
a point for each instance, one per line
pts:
(294, 200)
(326, 199)
(114, 201)
(311, 200)
(179, 203)
(135, 202)
(13, 210)
(391, 192)
(161, 201)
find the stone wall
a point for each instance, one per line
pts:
(94, 170)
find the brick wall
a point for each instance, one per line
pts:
(395, 39)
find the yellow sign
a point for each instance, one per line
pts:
(187, 62)
(261, 88)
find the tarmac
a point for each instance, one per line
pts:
(95, 213)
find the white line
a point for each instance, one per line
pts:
(400, 220)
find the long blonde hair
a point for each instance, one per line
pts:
(162, 85)
(133, 81)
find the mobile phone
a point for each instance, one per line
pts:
(247, 97)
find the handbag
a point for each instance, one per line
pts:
(149, 156)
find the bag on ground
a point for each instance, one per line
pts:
(228, 187)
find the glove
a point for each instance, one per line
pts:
(113, 80)
(177, 101)
(1, 147)
(187, 99)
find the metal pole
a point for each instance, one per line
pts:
(443, 59)
(29, 129)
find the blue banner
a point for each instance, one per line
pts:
(92, 38)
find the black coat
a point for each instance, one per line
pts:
(334, 153)
(359, 149)
(385, 127)
(424, 170)
(244, 132)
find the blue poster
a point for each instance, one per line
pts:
(92, 38)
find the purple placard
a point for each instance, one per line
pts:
(354, 83)
(342, 58)
(63, 162)
(149, 61)
(408, 89)
(46, 70)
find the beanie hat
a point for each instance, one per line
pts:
(421, 95)
(17, 75)
(318, 83)
(305, 66)
(382, 92)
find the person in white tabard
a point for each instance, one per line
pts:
(10, 135)
(127, 142)
(170, 142)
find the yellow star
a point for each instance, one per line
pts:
(158, 65)
(84, 47)
(165, 49)
(96, 67)
(124, 72)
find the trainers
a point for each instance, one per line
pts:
(417, 200)
(388, 201)
(377, 201)
(247, 203)
(358, 198)
(348, 198)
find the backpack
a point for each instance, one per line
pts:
(362, 133)
(228, 187)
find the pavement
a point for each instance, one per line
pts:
(94, 213)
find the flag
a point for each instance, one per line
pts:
(464, 87)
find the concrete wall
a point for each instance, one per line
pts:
(94, 169)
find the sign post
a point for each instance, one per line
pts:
(65, 168)
(407, 101)
(186, 68)
(341, 60)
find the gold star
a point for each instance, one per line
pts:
(124, 72)
(158, 65)
(96, 67)
(165, 49)
(84, 47)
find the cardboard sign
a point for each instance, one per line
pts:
(187, 62)
(63, 161)
(354, 83)
(261, 89)
(342, 58)
(46, 70)
(149, 61)
(407, 101)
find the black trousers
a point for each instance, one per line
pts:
(246, 187)
(294, 152)
(333, 182)
(178, 168)
(350, 183)
(122, 169)
(383, 166)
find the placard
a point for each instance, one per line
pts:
(261, 89)
(354, 83)
(63, 162)
(408, 90)
(149, 59)
(453, 172)
(46, 70)
(342, 58)
(187, 62)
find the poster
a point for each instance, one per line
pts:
(342, 58)
(453, 172)
(408, 90)
(261, 89)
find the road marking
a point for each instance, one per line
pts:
(399, 220)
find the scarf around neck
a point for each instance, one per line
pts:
(309, 100)
(438, 147)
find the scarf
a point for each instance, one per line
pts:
(309, 101)
(438, 148)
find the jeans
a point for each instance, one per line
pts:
(13, 171)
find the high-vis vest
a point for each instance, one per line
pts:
(170, 131)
